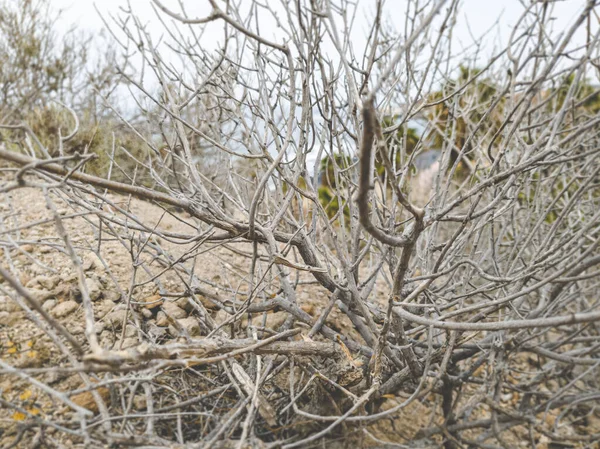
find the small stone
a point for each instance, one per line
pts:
(116, 317)
(173, 310)
(103, 307)
(9, 319)
(65, 308)
(152, 302)
(146, 313)
(49, 305)
(161, 319)
(184, 304)
(127, 343)
(76, 329)
(107, 339)
(46, 282)
(221, 316)
(190, 325)
(98, 327)
(89, 262)
(113, 295)
(86, 399)
(130, 331)
(94, 288)
(28, 248)
(41, 295)
(139, 402)
(155, 331)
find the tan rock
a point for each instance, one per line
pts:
(46, 282)
(98, 327)
(190, 325)
(76, 329)
(116, 317)
(113, 295)
(102, 308)
(152, 302)
(64, 308)
(129, 342)
(49, 305)
(41, 295)
(86, 399)
(130, 330)
(24, 278)
(9, 318)
(90, 262)
(161, 319)
(94, 288)
(174, 311)
(184, 304)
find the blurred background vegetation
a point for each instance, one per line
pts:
(44, 72)
(49, 76)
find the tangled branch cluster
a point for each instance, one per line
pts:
(237, 307)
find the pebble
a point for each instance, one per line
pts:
(190, 324)
(8, 319)
(89, 262)
(46, 282)
(76, 329)
(184, 304)
(98, 327)
(161, 319)
(41, 295)
(173, 310)
(49, 305)
(94, 288)
(130, 331)
(155, 331)
(65, 308)
(112, 295)
(127, 343)
(103, 307)
(152, 302)
(116, 317)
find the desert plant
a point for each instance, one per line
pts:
(223, 303)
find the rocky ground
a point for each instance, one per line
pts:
(33, 250)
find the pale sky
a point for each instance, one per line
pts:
(481, 15)
(492, 19)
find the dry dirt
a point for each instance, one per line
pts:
(37, 256)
